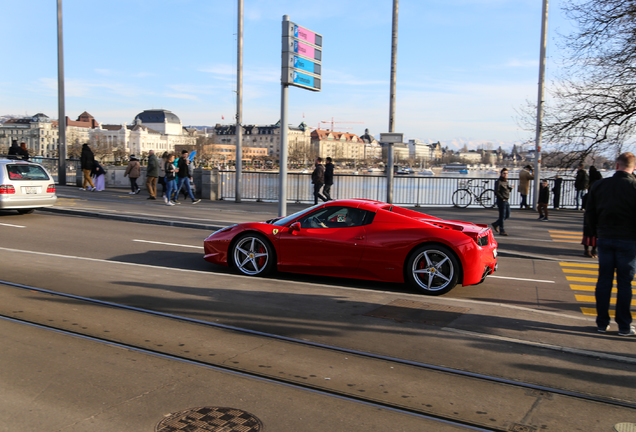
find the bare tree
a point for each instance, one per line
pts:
(595, 102)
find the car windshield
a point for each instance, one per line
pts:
(26, 172)
(284, 221)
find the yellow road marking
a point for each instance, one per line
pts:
(567, 241)
(590, 280)
(592, 312)
(578, 265)
(587, 288)
(578, 271)
(565, 236)
(565, 232)
(591, 299)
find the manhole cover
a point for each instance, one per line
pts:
(418, 312)
(210, 419)
(625, 427)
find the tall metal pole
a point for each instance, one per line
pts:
(61, 113)
(389, 172)
(282, 163)
(239, 104)
(537, 144)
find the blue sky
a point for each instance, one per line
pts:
(464, 66)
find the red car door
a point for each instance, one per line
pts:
(329, 251)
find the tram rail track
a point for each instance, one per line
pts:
(409, 402)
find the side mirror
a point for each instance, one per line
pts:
(294, 227)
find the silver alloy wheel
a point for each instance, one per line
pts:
(251, 255)
(433, 270)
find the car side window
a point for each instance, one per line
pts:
(336, 217)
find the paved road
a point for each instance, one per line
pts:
(525, 324)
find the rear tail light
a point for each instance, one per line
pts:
(481, 241)
(50, 188)
(7, 189)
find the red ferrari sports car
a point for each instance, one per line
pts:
(361, 239)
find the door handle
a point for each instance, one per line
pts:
(359, 237)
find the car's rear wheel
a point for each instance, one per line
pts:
(253, 255)
(433, 269)
(26, 211)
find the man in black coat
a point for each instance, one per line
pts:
(15, 149)
(610, 211)
(87, 160)
(184, 177)
(318, 180)
(326, 191)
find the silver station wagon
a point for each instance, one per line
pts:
(25, 186)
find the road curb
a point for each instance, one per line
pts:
(134, 219)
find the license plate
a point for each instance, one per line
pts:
(31, 189)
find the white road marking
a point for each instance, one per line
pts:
(311, 284)
(521, 279)
(14, 226)
(168, 244)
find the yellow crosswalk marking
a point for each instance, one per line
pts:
(578, 265)
(564, 232)
(591, 299)
(592, 312)
(566, 241)
(579, 269)
(590, 280)
(583, 287)
(565, 236)
(583, 272)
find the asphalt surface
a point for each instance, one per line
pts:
(524, 323)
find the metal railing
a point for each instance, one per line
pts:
(407, 190)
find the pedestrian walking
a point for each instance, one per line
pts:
(99, 176)
(184, 177)
(318, 180)
(610, 214)
(133, 171)
(15, 149)
(544, 199)
(326, 191)
(87, 160)
(162, 173)
(502, 192)
(24, 151)
(525, 175)
(558, 181)
(581, 184)
(152, 173)
(171, 175)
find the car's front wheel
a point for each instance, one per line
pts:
(253, 255)
(433, 269)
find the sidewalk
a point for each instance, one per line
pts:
(557, 239)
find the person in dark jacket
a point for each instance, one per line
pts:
(326, 191)
(610, 214)
(581, 184)
(184, 177)
(152, 174)
(24, 151)
(544, 199)
(87, 159)
(14, 150)
(502, 192)
(558, 181)
(318, 180)
(133, 171)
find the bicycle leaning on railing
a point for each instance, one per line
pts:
(467, 192)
